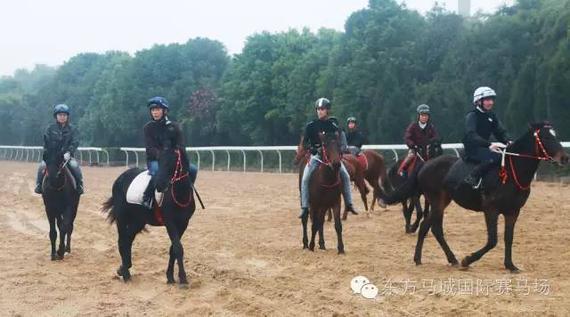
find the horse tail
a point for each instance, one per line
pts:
(404, 191)
(108, 208)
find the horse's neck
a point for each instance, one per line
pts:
(328, 175)
(525, 168)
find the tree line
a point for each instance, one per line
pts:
(388, 60)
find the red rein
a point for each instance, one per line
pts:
(178, 175)
(541, 155)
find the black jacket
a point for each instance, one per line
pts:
(160, 135)
(355, 138)
(312, 130)
(479, 126)
(59, 139)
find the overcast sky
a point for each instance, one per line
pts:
(51, 31)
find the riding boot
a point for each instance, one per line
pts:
(345, 178)
(304, 211)
(149, 194)
(474, 178)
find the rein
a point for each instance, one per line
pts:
(178, 175)
(542, 155)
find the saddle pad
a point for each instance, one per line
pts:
(137, 187)
(135, 192)
(363, 161)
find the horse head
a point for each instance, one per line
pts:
(331, 152)
(172, 163)
(546, 143)
(54, 165)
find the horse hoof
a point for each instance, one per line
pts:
(513, 269)
(454, 264)
(465, 263)
(53, 257)
(68, 250)
(418, 262)
(341, 252)
(170, 281)
(322, 247)
(184, 286)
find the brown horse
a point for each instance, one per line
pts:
(324, 194)
(375, 175)
(504, 190)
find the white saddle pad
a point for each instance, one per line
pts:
(136, 189)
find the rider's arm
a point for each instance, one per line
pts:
(408, 136)
(152, 149)
(434, 135)
(74, 141)
(343, 142)
(471, 135)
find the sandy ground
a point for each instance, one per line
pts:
(244, 257)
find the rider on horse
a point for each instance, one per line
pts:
(480, 123)
(418, 135)
(354, 137)
(160, 134)
(324, 124)
(61, 137)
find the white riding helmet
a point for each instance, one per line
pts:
(483, 92)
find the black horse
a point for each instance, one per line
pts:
(176, 210)
(504, 190)
(396, 180)
(61, 201)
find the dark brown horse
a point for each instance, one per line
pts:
(177, 208)
(504, 190)
(396, 179)
(324, 193)
(355, 170)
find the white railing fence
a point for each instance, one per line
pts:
(96, 155)
(86, 155)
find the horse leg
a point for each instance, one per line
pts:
(491, 218)
(62, 234)
(52, 237)
(73, 214)
(510, 221)
(321, 232)
(363, 193)
(127, 233)
(329, 217)
(437, 230)
(419, 213)
(407, 211)
(338, 229)
(424, 228)
(177, 249)
(182, 277)
(314, 228)
(304, 221)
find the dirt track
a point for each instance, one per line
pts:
(244, 257)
